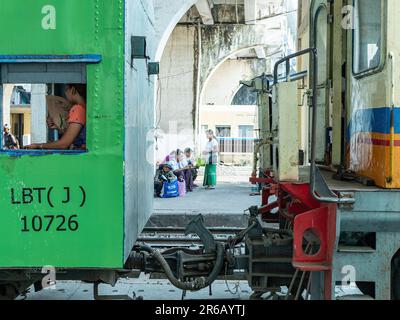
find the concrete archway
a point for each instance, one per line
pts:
(214, 45)
(211, 72)
(233, 39)
(254, 69)
(213, 62)
(167, 16)
(219, 43)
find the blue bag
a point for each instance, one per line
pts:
(170, 189)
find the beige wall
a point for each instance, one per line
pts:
(233, 116)
(26, 111)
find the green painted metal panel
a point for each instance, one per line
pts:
(60, 190)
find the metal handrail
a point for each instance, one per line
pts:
(287, 60)
(333, 198)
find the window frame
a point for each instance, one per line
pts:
(241, 87)
(225, 127)
(21, 59)
(382, 62)
(315, 19)
(204, 128)
(247, 127)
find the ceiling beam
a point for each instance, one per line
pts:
(250, 11)
(204, 9)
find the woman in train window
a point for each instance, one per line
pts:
(73, 136)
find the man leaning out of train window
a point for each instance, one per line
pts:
(73, 137)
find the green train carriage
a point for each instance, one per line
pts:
(77, 209)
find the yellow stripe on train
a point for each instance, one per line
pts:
(376, 156)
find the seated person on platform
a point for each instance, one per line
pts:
(73, 133)
(184, 171)
(164, 174)
(192, 164)
(170, 158)
(9, 141)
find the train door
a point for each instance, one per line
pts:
(370, 112)
(320, 39)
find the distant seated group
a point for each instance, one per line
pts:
(9, 140)
(177, 171)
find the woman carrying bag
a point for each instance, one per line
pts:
(211, 154)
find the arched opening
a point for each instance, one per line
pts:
(230, 109)
(170, 15)
(244, 96)
(185, 71)
(192, 54)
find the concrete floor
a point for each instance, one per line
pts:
(160, 290)
(223, 207)
(144, 287)
(227, 198)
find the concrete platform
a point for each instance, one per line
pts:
(223, 207)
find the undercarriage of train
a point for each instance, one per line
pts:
(264, 254)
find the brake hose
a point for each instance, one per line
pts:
(197, 284)
(239, 238)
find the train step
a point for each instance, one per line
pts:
(355, 249)
(355, 297)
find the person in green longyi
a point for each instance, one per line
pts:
(211, 155)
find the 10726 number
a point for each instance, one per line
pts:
(59, 223)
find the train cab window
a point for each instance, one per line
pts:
(39, 115)
(367, 35)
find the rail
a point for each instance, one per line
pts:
(170, 237)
